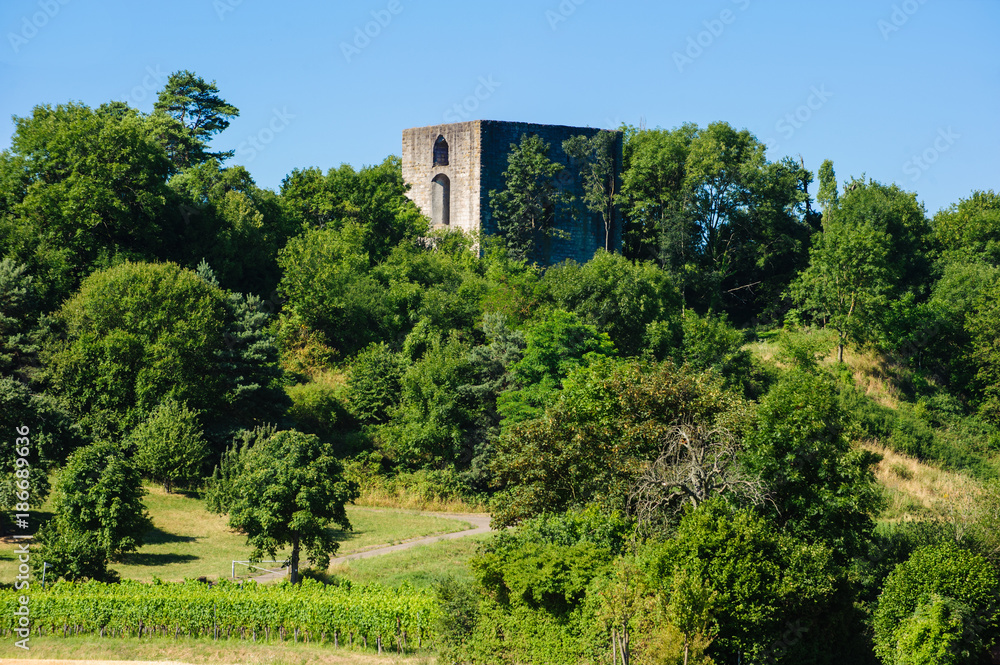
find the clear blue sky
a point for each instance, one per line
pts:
(887, 80)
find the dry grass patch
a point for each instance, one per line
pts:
(915, 490)
(195, 651)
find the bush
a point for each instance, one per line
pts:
(374, 383)
(927, 589)
(318, 408)
(169, 445)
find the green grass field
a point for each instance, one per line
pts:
(420, 566)
(188, 541)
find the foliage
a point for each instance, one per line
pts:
(971, 227)
(597, 160)
(591, 442)
(554, 347)
(51, 437)
(73, 555)
(18, 312)
(81, 187)
(223, 218)
(617, 296)
(139, 333)
(868, 264)
(729, 225)
(821, 489)
(429, 426)
(99, 491)
(983, 326)
(764, 578)
(372, 199)
(169, 445)
(286, 489)
(195, 105)
(925, 596)
(524, 211)
(325, 279)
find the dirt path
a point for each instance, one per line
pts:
(479, 521)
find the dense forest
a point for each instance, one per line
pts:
(678, 432)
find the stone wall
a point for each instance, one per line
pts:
(585, 229)
(477, 158)
(462, 170)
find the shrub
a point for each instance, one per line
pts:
(169, 445)
(925, 591)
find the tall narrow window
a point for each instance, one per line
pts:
(441, 200)
(440, 152)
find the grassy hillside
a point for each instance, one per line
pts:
(935, 461)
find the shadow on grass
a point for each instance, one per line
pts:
(140, 559)
(156, 536)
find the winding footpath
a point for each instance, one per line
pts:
(480, 525)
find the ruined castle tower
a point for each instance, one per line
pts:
(452, 168)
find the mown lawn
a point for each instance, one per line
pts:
(421, 565)
(188, 541)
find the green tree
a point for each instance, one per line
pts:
(287, 489)
(328, 289)
(52, 435)
(731, 227)
(554, 347)
(615, 295)
(169, 445)
(933, 634)
(374, 383)
(828, 195)
(431, 424)
(99, 492)
(868, 265)
(18, 317)
(524, 211)
(610, 417)
(971, 227)
(195, 104)
(983, 328)
(223, 218)
(967, 589)
(597, 159)
(763, 579)
(139, 333)
(657, 222)
(81, 187)
(372, 199)
(821, 489)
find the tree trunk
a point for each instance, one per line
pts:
(840, 352)
(293, 568)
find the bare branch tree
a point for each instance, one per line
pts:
(697, 463)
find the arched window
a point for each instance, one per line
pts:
(441, 200)
(440, 152)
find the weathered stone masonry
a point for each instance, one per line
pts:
(455, 194)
